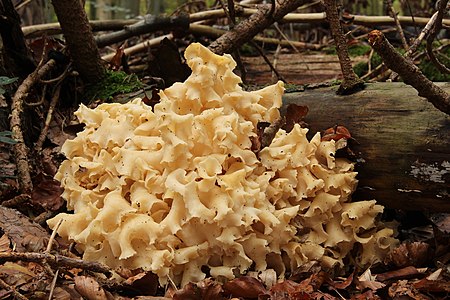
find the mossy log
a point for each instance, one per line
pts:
(402, 142)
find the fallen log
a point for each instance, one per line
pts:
(401, 140)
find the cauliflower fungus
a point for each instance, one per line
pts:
(176, 188)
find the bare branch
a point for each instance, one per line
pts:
(409, 72)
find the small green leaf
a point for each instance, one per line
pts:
(5, 137)
(7, 140)
(2, 91)
(6, 80)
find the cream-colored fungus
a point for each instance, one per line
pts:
(178, 187)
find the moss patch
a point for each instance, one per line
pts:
(114, 83)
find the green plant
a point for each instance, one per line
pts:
(5, 81)
(5, 137)
(114, 83)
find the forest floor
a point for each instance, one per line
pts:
(420, 269)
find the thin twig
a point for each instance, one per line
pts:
(15, 293)
(52, 286)
(56, 261)
(263, 55)
(20, 149)
(442, 7)
(48, 119)
(397, 24)
(52, 237)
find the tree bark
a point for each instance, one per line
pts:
(351, 82)
(248, 28)
(80, 40)
(15, 55)
(401, 142)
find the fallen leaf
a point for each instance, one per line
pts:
(366, 295)
(409, 254)
(15, 274)
(24, 234)
(402, 288)
(116, 62)
(206, 289)
(336, 133)
(343, 284)
(295, 114)
(89, 288)
(283, 289)
(245, 286)
(145, 283)
(367, 280)
(268, 277)
(5, 244)
(47, 192)
(435, 275)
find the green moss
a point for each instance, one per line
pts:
(353, 50)
(114, 83)
(431, 72)
(358, 50)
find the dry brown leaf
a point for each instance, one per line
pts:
(342, 285)
(403, 288)
(435, 275)
(245, 286)
(15, 274)
(268, 277)
(5, 244)
(24, 234)
(283, 289)
(366, 295)
(47, 193)
(409, 254)
(145, 283)
(205, 289)
(367, 280)
(116, 62)
(89, 288)
(61, 294)
(295, 114)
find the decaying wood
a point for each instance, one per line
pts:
(149, 24)
(140, 47)
(216, 32)
(401, 142)
(351, 82)
(49, 29)
(20, 149)
(248, 28)
(409, 72)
